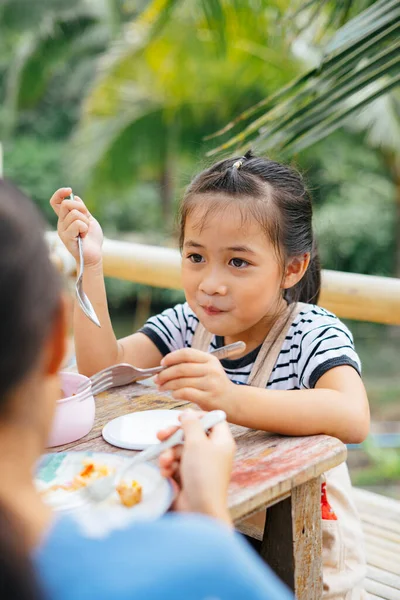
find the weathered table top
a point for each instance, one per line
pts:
(267, 467)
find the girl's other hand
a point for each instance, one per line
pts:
(201, 467)
(197, 377)
(74, 219)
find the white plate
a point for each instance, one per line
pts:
(138, 430)
(99, 519)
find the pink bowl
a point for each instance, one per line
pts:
(74, 416)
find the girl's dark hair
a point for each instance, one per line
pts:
(274, 195)
(29, 298)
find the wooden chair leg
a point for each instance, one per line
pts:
(292, 541)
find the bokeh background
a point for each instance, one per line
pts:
(116, 98)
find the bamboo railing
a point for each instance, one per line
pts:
(348, 295)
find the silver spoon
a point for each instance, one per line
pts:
(83, 300)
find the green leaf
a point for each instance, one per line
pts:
(339, 64)
(386, 64)
(362, 32)
(361, 63)
(359, 23)
(332, 123)
(267, 102)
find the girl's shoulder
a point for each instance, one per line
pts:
(317, 341)
(172, 329)
(312, 316)
(181, 315)
(186, 310)
(181, 310)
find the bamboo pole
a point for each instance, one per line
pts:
(151, 265)
(361, 297)
(348, 295)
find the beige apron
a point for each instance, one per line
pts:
(343, 555)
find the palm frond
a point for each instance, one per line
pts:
(380, 15)
(361, 63)
(335, 13)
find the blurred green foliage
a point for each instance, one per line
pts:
(355, 212)
(35, 166)
(129, 96)
(384, 466)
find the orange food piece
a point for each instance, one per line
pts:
(87, 470)
(89, 473)
(130, 494)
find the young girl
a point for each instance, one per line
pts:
(250, 272)
(41, 557)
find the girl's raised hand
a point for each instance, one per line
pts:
(74, 219)
(197, 377)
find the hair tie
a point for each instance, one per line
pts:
(238, 164)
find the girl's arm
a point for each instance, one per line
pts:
(337, 406)
(96, 348)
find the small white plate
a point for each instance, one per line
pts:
(138, 430)
(98, 519)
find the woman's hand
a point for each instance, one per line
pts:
(74, 219)
(201, 467)
(197, 377)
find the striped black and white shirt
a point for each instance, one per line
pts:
(316, 342)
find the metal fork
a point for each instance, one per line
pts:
(100, 489)
(123, 373)
(83, 300)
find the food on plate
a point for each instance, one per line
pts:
(89, 473)
(130, 494)
(92, 471)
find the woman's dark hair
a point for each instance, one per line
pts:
(29, 298)
(29, 288)
(272, 194)
(17, 577)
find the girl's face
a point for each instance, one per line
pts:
(231, 275)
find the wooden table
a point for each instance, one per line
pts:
(270, 471)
